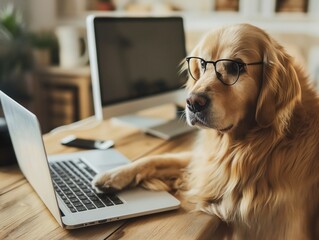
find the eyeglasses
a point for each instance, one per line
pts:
(227, 70)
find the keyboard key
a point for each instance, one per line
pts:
(68, 192)
(87, 191)
(99, 204)
(94, 198)
(90, 170)
(115, 199)
(90, 206)
(106, 201)
(78, 204)
(91, 194)
(60, 193)
(68, 181)
(83, 197)
(72, 209)
(86, 201)
(64, 188)
(74, 200)
(78, 193)
(80, 209)
(69, 205)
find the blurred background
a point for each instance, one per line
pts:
(53, 80)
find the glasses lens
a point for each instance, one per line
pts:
(227, 71)
(196, 67)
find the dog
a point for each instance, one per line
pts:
(255, 164)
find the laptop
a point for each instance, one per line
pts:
(63, 181)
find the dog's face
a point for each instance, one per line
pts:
(213, 104)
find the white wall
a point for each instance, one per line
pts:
(40, 14)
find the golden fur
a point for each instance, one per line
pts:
(256, 161)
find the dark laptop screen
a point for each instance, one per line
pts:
(138, 57)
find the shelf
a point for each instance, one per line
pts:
(203, 21)
(282, 22)
(65, 96)
(77, 71)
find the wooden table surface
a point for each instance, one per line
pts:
(24, 216)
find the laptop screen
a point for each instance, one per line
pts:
(138, 57)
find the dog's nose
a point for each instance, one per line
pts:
(197, 102)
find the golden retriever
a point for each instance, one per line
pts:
(256, 162)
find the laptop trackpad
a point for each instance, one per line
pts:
(103, 160)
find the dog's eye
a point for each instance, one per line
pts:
(203, 65)
(232, 68)
(242, 68)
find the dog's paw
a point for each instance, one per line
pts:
(113, 180)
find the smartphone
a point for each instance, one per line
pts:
(73, 141)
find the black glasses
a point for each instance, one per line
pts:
(227, 70)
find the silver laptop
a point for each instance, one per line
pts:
(63, 181)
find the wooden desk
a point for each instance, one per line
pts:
(24, 216)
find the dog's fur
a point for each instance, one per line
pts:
(256, 161)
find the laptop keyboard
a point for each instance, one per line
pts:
(72, 182)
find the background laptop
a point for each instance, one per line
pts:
(63, 181)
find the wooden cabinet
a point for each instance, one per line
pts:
(65, 96)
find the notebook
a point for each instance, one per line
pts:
(62, 181)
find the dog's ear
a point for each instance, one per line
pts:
(280, 87)
(266, 109)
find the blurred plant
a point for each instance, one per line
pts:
(43, 39)
(11, 22)
(45, 48)
(15, 50)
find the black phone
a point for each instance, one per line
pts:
(74, 141)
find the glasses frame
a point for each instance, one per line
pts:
(240, 65)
